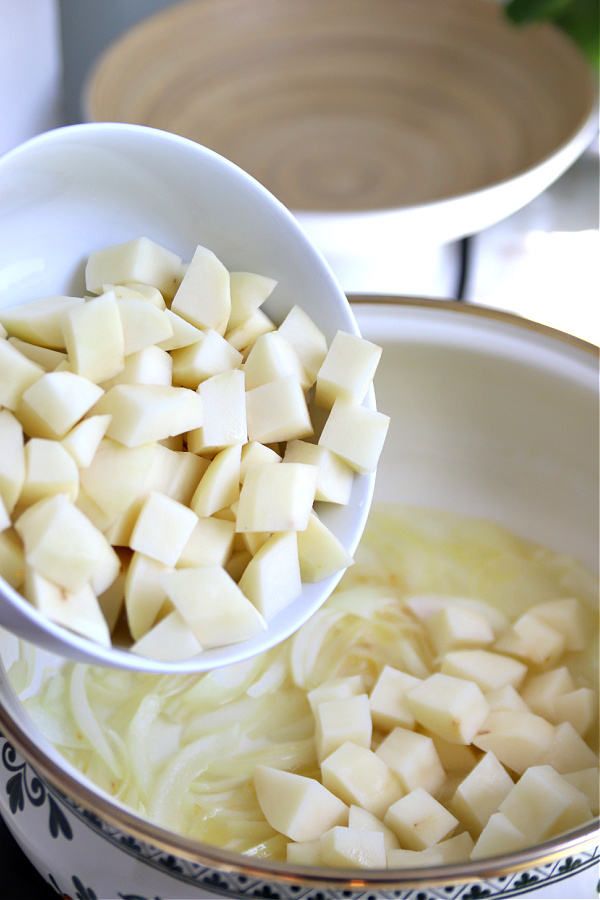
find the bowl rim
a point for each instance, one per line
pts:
(67, 786)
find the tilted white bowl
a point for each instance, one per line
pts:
(492, 416)
(77, 189)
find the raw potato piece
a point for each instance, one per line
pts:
(308, 341)
(83, 440)
(255, 454)
(38, 321)
(541, 692)
(336, 689)
(118, 476)
(224, 414)
(277, 411)
(209, 355)
(533, 641)
(357, 776)
(12, 459)
(219, 487)
(143, 325)
(55, 403)
(43, 356)
(203, 298)
(408, 859)
(567, 617)
(296, 806)
(499, 836)
(17, 373)
(248, 292)
(362, 820)
(49, 469)
(458, 628)
(518, 739)
(488, 670)
(94, 339)
(388, 702)
(144, 593)
(5, 519)
(419, 821)
(12, 560)
(355, 433)
(334, 484)
(480, 794)
(353, 848)
(270, 358)
(413, 759)
(209, 544)
(78, 611)
(213, 605)
(140, 260)
(542, 804)
(244, 336)
(271, 579)
(347, 370)
(163, 528)
(451, 707)
(567, 751)
(320, 552)
(142, 413)
(277, 498)
(342, 720)
(169, 640)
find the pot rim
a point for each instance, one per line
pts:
(65, 783)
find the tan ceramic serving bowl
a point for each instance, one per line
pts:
(492, 416)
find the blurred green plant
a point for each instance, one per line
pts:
(580, 19)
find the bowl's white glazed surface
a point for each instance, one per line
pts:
(492, 417)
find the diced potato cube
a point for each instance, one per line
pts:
(456, 759)
(579, 707)
(213, 605)
(224, 420)
(144, 593)
(112, 600)
(55, 403)
(297, 806)
(388, 702)
(454, 628)
(63, 545)
(304, 853)
(12, 558)
(533, 641)
(39, 321)
(357, 776)
(219, 487)
(542, 804)
(419, 821)
(353, 849)
(425, 605)
(455, 849)
(342, 720)
(277, 411)
(347, 370)
(142, 413)
(506, 698)
(135, 290)
(210, 355)
(171, 640)
(210, 544)
(277, 498)
(356, 433)
(307, 339)
(413, 859)
(176, 473)
(271, 580)
(541, 692)
(565, 615)
(320, 552)
(253, 454)
(244, 336)
(143, 325)
(45, 357)
(5, 519)
(498, 836)
(49, 469)
(336, 689)
(449, 706)
(94, 339)
(362, 820)
(163, 528)
(334, 484)
(413, 759)
(184, 333)
(83, 440)
(12, 459)
(248, 292)
(270, 358)
(151, 365)
(78, 611)
(567, 751)
(139, 260)
(487, 669)
(518, 739)
(481, 793)
(586, 781)
(17, 373)
(203, 298)
(118, 475)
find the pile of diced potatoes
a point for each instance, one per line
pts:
(160, 455)
(483, 756)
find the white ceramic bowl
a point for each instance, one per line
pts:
(492, 416)
(80, 188)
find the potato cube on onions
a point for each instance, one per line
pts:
(271, 579)
(320, 552)
(347, 370)
(224, 414)
(277, 498)
(336, 689)
(17, 373)
(389, 706)
(517, 739)
(499, 836)
(139, 260)
(542, 804)
(413, 759)
(362, 820)
(163, 528)
(353, 848)
(567, 751)
(213, 605)
(419, 821)
(94, 339)
(357, 776)
(142, 413)
(338, 721)
(171, 639)
(277, 411)
(77, 610)
(534, 641)
(55, 403)
(453, 708)
(355, 433)
(459, 627)
(487, 669)
(203, 298)
(481, 793)
(541, 692)
(297, 806)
